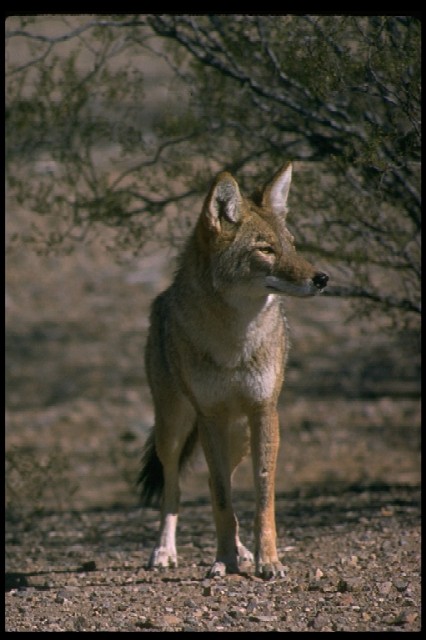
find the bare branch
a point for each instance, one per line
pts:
(155, 158)
(363, 293)
(208, 56)
(133, 22)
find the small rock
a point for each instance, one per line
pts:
(259, 618)
(346, 598)
(90, 565)
(398, 619)
(385, 587)
(349, 584)
(400, 585)
(171, 620)
(145, 623)
(190, 603)
(318, 622)
(80, 623)
(411, 617)
(342, 585)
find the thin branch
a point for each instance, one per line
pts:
(209, 58)
(134, 22)
(366, 294)
(152, 161)
(33, 61)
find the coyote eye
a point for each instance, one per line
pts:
(265, 248)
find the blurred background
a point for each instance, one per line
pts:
(115, 125)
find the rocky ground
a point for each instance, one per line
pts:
(352, 558)
(78, 411)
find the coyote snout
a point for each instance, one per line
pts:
(308, 287)
(215, 359)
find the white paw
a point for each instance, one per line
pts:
(222, 567)
(217, 569)
(244, 555)
(163, 557)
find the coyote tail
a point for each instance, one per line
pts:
(151, 476)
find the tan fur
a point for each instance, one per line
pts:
(215, 361)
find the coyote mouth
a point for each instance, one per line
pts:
(310, 287)
(283, 287)
(275, 289)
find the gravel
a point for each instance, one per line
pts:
(354, 566)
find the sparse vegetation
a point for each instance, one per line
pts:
(338, 94)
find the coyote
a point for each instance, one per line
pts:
(215, 359)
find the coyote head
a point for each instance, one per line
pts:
(248, 245)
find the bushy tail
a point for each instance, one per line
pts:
(151, 476)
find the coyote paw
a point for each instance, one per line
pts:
(217, 569)
(220, 568)
(163, 557)
(268, 570)
(244, 555)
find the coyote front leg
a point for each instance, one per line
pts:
(265, 442)
(214, 439)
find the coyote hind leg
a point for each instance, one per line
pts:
(172, 442)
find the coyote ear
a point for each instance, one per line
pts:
(223, 201)
(275, 193)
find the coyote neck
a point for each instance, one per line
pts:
(229, 329)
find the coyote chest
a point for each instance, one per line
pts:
(233, 362)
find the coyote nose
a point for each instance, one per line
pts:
(320, 280)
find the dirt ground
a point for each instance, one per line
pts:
(78, 411)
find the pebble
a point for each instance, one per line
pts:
(258, 618)
(90, 565)
(400, 585)
(171, 620)
(385, 587)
